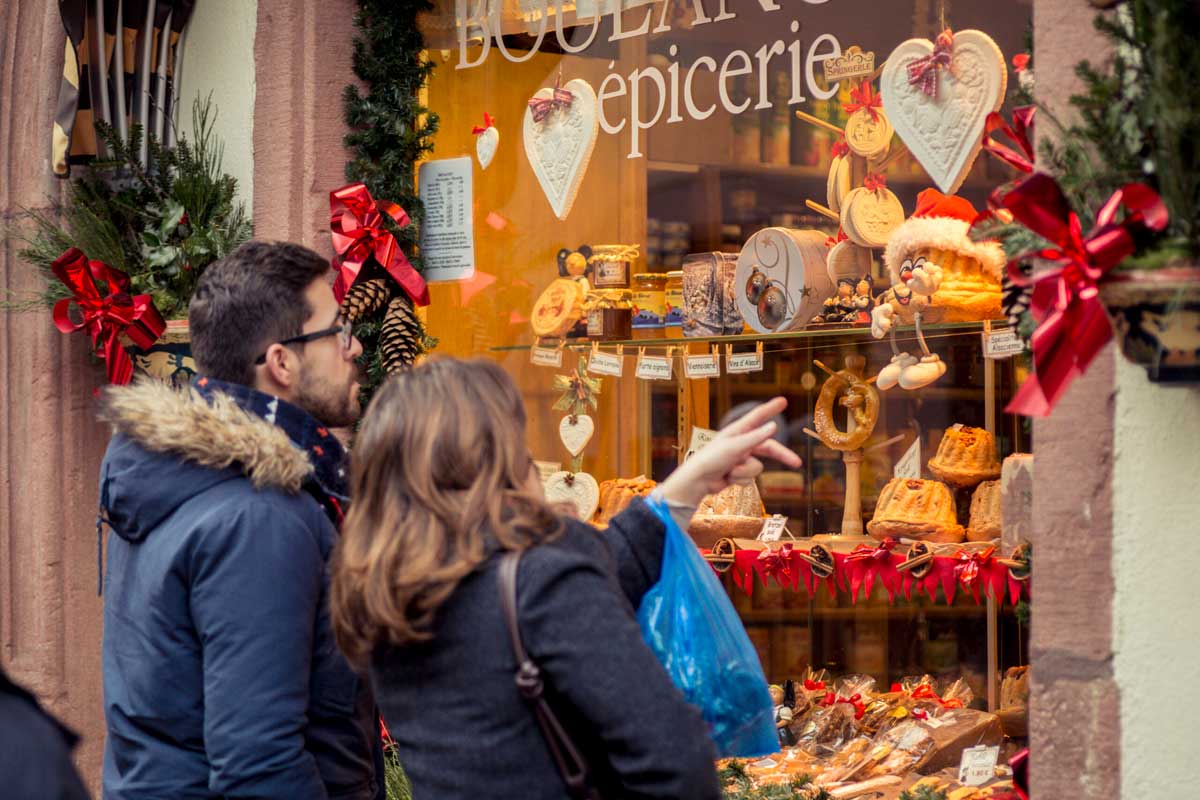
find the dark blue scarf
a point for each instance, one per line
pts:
(329, 481)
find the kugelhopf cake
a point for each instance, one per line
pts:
(617, 494)
(916, 509)
(965, 457)
(985, 521)
(735, 512)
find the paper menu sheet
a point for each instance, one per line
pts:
(447, 232)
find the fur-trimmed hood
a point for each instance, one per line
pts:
(173, 444)
(216, 435)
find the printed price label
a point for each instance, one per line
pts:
(1002, 343)
(703, 366)
(700, 438)
(546, 469)
(909, 465)
(744, 362)
(773, 528)
(654, 368)
(546, 356)
(978, 765)
(606, 364)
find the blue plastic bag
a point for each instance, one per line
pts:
(691, 626)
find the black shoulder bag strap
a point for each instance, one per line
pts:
(571, 763)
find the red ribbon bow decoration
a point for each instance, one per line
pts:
(1020, 132)
(880, 552)
(778, 563)
(105, 316)
(830, 241)
(967, 570)
(488, 122)
(924, 71)
(356, 223)
(855, 700)
(813, 686)
(864, 98)
(542, 106)
(875, 181)
(1072, 324)
(841, 147)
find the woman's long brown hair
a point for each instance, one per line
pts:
(439, 465)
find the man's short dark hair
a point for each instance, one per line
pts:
(248, 300)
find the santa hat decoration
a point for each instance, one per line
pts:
(941, 223)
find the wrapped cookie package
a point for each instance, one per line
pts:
(709, 305)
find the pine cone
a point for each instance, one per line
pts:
(400, 334)
(365, 299)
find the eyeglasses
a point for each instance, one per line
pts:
(346, 329)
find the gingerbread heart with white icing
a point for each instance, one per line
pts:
(945, 131)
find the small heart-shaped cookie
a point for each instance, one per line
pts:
(575, 432)
(485, 146)
(576, 488)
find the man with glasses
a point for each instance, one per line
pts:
(221, 675)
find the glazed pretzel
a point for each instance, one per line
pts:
(861, 398)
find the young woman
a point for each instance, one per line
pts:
(443, 484)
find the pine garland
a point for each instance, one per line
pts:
(390, 131)
(1138, 122)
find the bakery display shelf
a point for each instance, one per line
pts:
(905, 334)
(793, 616)
(768, 390)
(791, 171)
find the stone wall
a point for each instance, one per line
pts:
(50, 443)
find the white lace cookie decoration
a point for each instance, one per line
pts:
(944, 131)
(560, 131)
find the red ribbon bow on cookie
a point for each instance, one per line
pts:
(488, 122)
(357, 227)
(864, 98)
(1072, 324)
(542, 106)
(813, 686)
(875, 181)
(924, 71)
(105, 316)
(841, 147)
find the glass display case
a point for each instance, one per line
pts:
(678, 134)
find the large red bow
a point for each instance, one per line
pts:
(864, 98)
(1072, 325)
(356, 223)
(924, 71)
(107, 316)
(542, 106)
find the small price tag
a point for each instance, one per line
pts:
(909, 465)
(606, 364)
(700, 438)
(546, 356)
(744, 362)
(546, 469)
(653, 368)
(853, 63)
(773, 528)
(1002, 343)
(978, 765)
(702, 366)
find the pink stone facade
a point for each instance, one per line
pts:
(50, 445)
